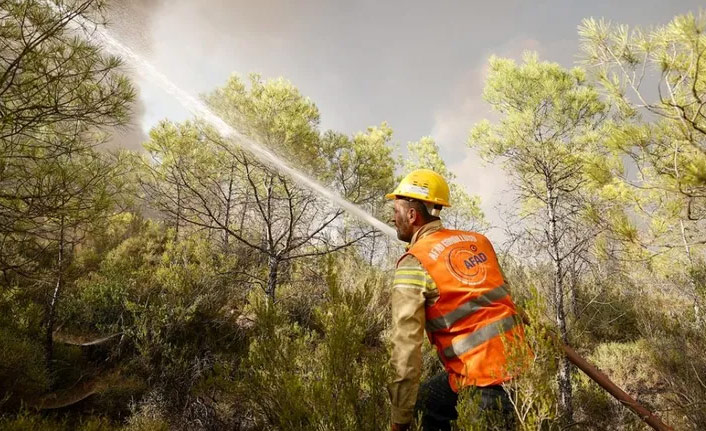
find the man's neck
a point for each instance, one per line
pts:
(424, 230)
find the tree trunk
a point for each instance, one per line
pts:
(178, 212)
(574, 287)
(54, 300)
(273, 266)
(243, 212)
(372, 249)
(692, 283)
(229, 203)
(564, 375)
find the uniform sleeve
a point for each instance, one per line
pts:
(407, 301)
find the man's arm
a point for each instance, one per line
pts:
(407, 300)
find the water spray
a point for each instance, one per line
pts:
(200, 110)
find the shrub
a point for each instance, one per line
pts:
(26, 421)
(628, 365)
(23, 372)
(676, 350)
(335, 378)
(175, 305)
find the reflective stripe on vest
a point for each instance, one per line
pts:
(480, 336)
(466, 309)
(473, 320)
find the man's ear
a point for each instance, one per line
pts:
(413, 216)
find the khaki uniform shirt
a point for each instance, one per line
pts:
(412, 290)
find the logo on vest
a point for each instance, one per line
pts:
(448, 242)
(466, 265)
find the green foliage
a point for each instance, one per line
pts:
(276, 114)
(663, 132)
(472, 418)
(48, 76)
(30, 422)
(549, 142)
(533, 391)
(465, 212)
(147, 417)
(697, 276)
(56, 91)
(361, 167)
(291, 128)
(22, 370)
(600, 411)
(331, 378)
(26, 421)
(204, 181)
(198, 346)
(675, 348)
(628, 363)
(546, 136)
(542, 97)
(608, 314)
(174, 304)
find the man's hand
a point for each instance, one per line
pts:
(399, 427)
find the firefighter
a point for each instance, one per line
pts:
(449, 283)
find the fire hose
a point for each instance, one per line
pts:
(603, 381)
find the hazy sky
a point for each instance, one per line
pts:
(418, 65)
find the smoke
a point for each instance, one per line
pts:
(199, 109)
(130, 21)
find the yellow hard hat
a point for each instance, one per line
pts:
(424, 185)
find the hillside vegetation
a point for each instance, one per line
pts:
(192, 287)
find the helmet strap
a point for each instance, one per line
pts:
(436, 210)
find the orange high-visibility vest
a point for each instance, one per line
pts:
(474, 320)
